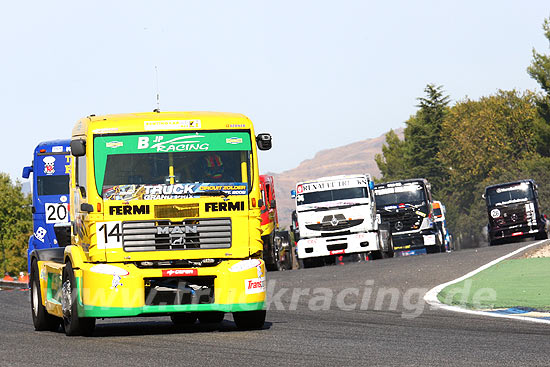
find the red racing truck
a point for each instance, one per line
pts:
(277, 252)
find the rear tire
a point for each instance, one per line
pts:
(73, 324)
(41, 319)
(249, 320)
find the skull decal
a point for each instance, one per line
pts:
(49, 163)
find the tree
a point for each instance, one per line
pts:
(423, 135)
(540, 71)
(15, 225)
(391, 162)
(418, 154)
(483, 142)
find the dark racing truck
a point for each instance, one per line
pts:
(514, 212)
(406, 206)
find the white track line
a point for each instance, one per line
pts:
(431, 295)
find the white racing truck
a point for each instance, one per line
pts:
(337, 216)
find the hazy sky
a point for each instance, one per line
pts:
(316, 74)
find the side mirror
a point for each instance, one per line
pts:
(273, 204)
(483, 196)
(260, 203)
(27, 171)
(85, 207)
(293, 194)
(263, 141)
(78, 147)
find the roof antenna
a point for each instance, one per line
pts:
(158, 92)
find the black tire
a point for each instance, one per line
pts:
(41, 319)
(378, 255)
(73, 324)
(211, 317)
(249, 320)
(272, 262)
(541, 236)
(184, 318)
(311, 262)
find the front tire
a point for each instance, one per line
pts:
(249, 320)
(73, 324)
(41, 319)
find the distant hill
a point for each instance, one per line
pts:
(349, 159)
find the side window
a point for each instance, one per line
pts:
(269, 193)
(81, 175)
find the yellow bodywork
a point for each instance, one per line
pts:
(120, 290)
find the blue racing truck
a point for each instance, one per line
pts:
(50, 195)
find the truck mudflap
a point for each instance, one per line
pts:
(338, 245)
(119, 290)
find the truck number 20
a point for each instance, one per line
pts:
(56, 213)
(109, 235)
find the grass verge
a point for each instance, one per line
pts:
(523, 283)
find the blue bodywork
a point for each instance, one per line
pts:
(50, 195)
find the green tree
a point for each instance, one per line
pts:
(418, 154)
(391, 162)
(488, 141)
(423, 136)
(15, 225)
(540, 71)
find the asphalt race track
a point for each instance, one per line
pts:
(334, 315)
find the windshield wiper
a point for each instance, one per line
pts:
(214, 193)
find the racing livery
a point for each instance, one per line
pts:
(336, 216)
(50, 195)
(514, 212)
(406, 206)
(277, 247)
(165, 220)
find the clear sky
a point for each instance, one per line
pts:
(316, 74)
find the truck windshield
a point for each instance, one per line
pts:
(52, 185)
(332, 195)
(509, 194)
(404, 194)
(168, 159)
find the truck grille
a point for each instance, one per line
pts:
(162, 235)
(335, 222)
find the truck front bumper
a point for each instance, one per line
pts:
(412, 241)
(338, 245)
(122, 290)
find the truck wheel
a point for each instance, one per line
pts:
(275, 265)
(211, 317)
(541, 236)
(73, 324)
(41, 319)
(249, 320)
(311, 262)
(183, 318)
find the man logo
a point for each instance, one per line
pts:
(177, 230)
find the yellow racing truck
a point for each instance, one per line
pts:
(165, 210)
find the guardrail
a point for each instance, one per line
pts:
(13, 284)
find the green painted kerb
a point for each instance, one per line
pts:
(510, 283)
